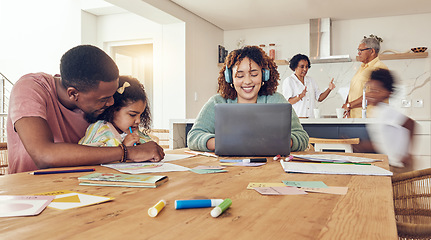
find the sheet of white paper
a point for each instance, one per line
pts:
(173, 157)
(75, 200)
(319, 168)
(146, 167)
(336, 158)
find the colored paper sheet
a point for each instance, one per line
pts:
(208, 167)
(17, 206)
(254, 185)
(73, 199)
(67, 199)
(330, 190)
(279, 190)
(308, 184)
(205, 171)
(227, 163)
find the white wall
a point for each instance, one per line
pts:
(201, 70)
(202, 64)
(34, 37)
(399, 33)
(173, 71)
(88, 28)
(289, 40)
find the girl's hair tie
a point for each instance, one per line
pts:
(120, 90)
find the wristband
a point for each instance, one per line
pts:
(124, 157)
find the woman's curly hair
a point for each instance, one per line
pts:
(133, 93)
(255, 53)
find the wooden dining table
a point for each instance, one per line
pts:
(365, 212)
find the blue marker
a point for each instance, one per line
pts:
(130, 129)
(197, 203)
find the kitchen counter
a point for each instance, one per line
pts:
(336, 120)
(328, 128)
(350, 127)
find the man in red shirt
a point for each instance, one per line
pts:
(48, 115)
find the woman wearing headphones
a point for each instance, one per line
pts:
(248, 76)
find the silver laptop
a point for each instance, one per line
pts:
(253, 129)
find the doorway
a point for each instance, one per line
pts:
(137, 61)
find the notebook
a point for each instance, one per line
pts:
(122, 180)
(253, 129)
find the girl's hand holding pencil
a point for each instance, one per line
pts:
(131, 139)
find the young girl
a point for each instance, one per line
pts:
(120, 122)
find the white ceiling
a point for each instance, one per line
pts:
(244, 14)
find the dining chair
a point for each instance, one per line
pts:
(3, 159)
(162, 135)
(321, 144)
(412, 203)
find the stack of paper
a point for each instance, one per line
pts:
(328, 168)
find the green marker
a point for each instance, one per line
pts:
(221, 208)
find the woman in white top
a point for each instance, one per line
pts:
(302, 91)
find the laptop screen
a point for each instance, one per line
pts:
(253, 129)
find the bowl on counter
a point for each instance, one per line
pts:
(419, 49)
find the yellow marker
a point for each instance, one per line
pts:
(154, 210)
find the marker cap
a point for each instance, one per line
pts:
(221, 208)
(216, 212)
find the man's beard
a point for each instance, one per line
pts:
(91, 117)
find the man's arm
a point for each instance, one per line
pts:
(354, 104)
(37, 139)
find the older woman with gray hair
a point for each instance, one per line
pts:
(368, 54)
